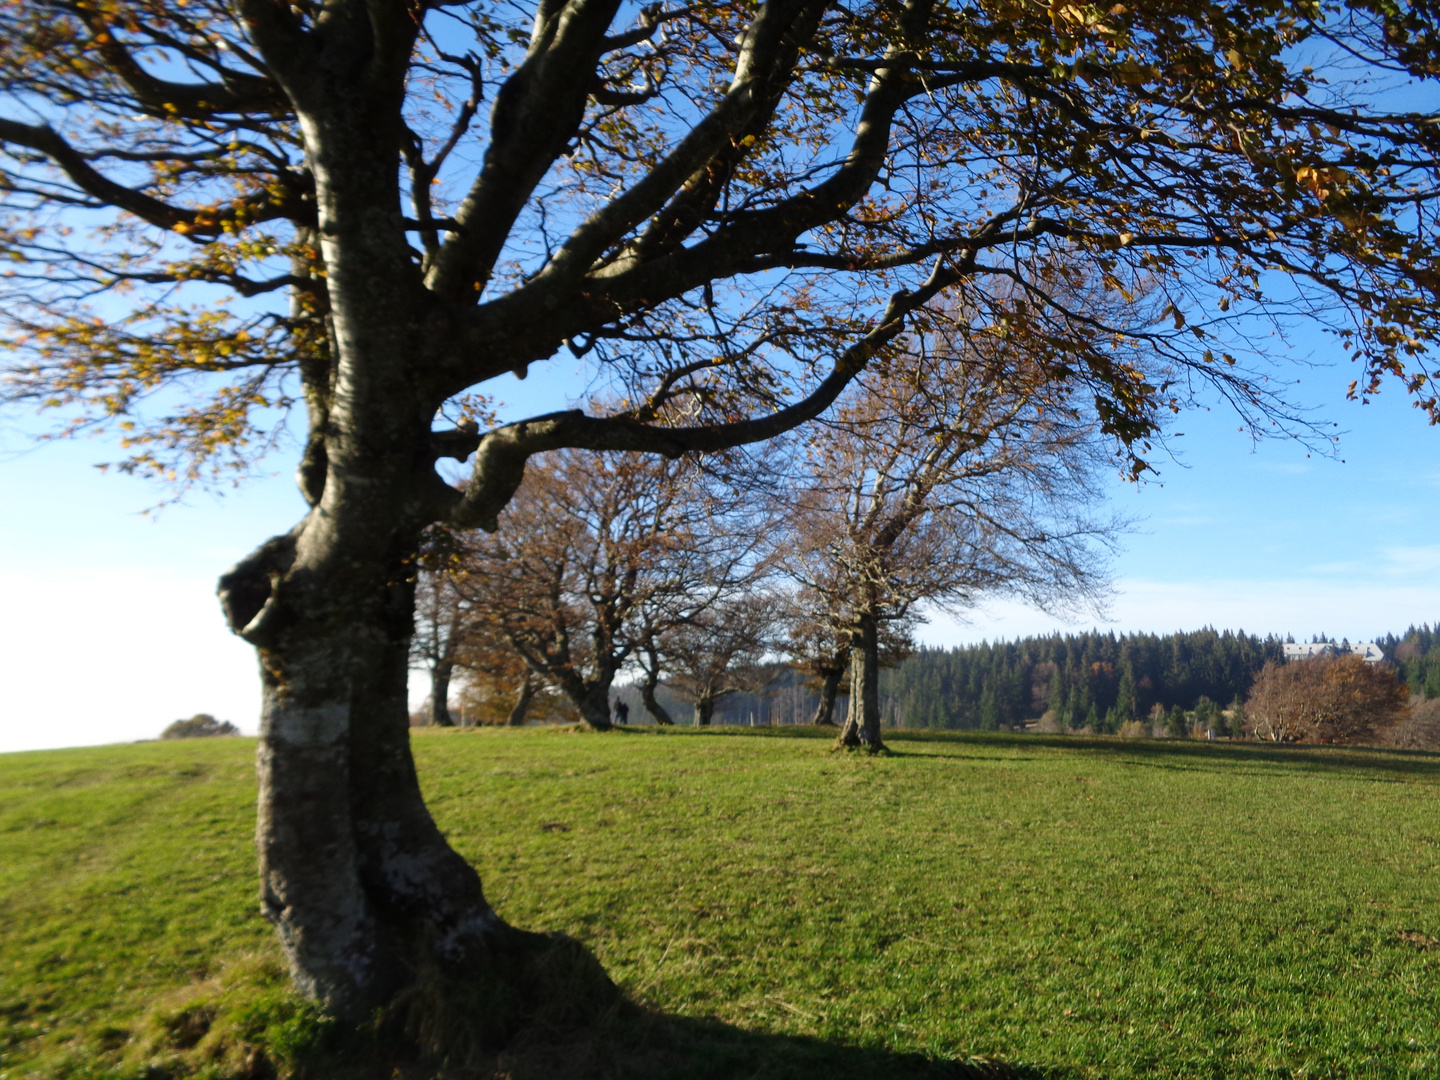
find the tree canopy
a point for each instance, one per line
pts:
(719, 204)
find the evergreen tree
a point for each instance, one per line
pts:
(989, 711)
(1125, 699)
(1176, 725)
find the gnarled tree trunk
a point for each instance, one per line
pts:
(658, 712)
(590, 696)
(704, 711)
(829, 690)
(355, 875)
(439, 702)
(522, 701)
(862, 725)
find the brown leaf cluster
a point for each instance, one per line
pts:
(1325, 699)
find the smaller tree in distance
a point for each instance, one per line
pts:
(602, 558)
(819, 645)
(723, 650)
(958, 466)
(441, 622)
(200, 726)
(1323, 699)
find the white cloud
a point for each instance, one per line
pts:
(95, 657)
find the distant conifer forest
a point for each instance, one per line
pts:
(1096, 680)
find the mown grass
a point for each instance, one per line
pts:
(1083, 908)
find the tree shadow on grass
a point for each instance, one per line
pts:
(644, 1045)
(556, 1016)
(1183, 754)
(1195, 754)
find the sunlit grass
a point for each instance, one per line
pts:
(1090, 908)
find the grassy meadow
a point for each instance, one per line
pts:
(1072, 907)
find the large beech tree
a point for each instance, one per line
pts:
(726, 208)
(953, 470)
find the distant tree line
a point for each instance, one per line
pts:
(1093, 679)
(1416, 655)
(1099, 680)
(785, 588)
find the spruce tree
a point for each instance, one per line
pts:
(1124, 710)
(1176, 725)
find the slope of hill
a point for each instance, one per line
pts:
(1078, 907)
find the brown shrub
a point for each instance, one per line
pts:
(1419, 729)
(1326, 699)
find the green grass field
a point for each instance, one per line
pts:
(1080, 908)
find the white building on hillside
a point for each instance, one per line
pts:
(1367, 650)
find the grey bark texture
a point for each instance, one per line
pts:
(658, 712)
(439, 700)
(862, 725)
(522, 701)
(829, 690)
(704, 711)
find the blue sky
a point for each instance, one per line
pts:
(113, 630)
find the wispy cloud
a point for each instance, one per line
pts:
(1418, 559)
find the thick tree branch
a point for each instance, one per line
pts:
(501, 454)
(236, 93)
(157, 212)
(536, 113)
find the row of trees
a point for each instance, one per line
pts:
(1093, 680)
(695, 612)
(1416, 655)
(953, 469)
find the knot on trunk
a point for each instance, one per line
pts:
(247, 590)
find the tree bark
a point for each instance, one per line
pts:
(704, 711)
(829, 690)
(440, 693)
(360, 884)
(652, 703)
(522, 702)
(355, 875)
(862, 725)
(591, 697)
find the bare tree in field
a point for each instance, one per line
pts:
(726, 648)
(955, 471)
(1324, 699)
(819, 643)
(440, 625)
(722, 555)
(725, 211)
(601, 557)
(822, 653)
(497, 686)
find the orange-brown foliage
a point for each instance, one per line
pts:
(1326, 699)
